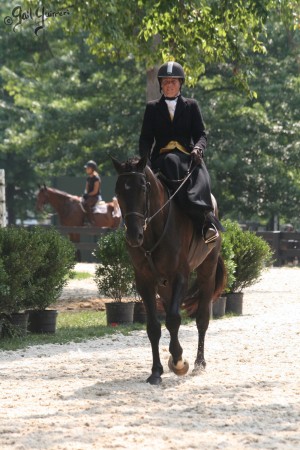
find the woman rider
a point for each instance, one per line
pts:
(92, 189)
(173, 136)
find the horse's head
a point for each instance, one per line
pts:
(42, 197)
(132, 192)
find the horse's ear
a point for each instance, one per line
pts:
(142, 163)
(117, 164)
(39, 186)
(45, 187)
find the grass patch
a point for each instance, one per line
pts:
(80, 275)
(71, 327)
(75, 327)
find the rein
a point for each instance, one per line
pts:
(148, 253)
(145, 216)
(189, 173)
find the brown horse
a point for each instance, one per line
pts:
(71, 212)
(164, 249)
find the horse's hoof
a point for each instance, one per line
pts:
(199, 368)
(181, 368)
(154, 380)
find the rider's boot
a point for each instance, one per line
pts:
(89, 212)
(211, 227)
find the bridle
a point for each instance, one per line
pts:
(148, 253)
(147, 190)
(145, 216)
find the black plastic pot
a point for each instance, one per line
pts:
(43, 321)
(119, 313)
(20, 320)
(139, 314)
(234, 303)
(219, 307)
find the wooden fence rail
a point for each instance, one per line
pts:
(87, 236)
(286, 245)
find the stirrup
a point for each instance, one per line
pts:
(212, 238)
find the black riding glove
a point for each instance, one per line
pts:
(85, 196)
(197, 156)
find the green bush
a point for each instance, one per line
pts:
(251, 255)
(114, 275)
(51, 275)
(33, 267)
(230, 264)
(19, 259)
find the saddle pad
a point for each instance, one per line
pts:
(117, 212)
(100, 208)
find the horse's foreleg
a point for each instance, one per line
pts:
(173, 321)
(148, 294)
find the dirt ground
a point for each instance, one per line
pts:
(81, 295)
(93, 395)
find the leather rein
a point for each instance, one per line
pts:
(147, 219)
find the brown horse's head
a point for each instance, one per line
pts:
(42, 198)
(132, 192)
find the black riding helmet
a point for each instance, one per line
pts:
(171, 69)
(91, 164)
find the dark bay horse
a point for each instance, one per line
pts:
(164, 249)
(70, 211)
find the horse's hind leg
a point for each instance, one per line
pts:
(148, 293)
(173, 321)
(206, 282)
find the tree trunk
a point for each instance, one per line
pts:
(10, 195)
(152, 84)
(2, 199)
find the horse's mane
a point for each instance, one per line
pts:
(131, 164)
(58, 192)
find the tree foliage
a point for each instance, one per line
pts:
(62, 105)
(197, 33)
(253, 153)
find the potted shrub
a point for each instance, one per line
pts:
(114, 276)
(219, 306)
(49, 278)
(139, 311)
(19, 258)
(251, 255)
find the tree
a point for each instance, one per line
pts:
(60, 107)
(196, 33)
(253, 152)
(15, 156)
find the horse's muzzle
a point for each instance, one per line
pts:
(134, 239)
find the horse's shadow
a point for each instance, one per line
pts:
(125, 386)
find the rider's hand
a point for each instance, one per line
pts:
(197, 156)
(85, 196)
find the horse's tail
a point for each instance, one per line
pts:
(221, 278)
(191, 301)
